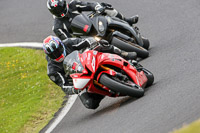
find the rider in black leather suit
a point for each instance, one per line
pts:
(56, 50)
(63, 14)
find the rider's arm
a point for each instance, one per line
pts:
(84, 6)
(78, 43)
(57, 75)
(59, 29)
(55, 72)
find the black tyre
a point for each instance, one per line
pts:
(130, 47)
(149, 76)
(146, 43)
(121, 88)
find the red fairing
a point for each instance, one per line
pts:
(92, 60)
(138, 77)
(89, 59)
(61, 58)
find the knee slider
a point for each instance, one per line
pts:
(91, 104)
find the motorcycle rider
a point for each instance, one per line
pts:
(56, 50)
(64, 12)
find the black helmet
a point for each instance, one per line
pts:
(59, 8)
(54, 48)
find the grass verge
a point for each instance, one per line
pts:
(28, 99)
(192, 128)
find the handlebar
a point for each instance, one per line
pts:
(93, 14)
(99, 42)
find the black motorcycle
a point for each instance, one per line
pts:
(116, 31)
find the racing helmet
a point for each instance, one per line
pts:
(59, 8)
(54, 48)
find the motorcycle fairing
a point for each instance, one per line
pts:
(96, 21)
(119, 62)
(90, 56)
(92, 60)
(115, 23)
(80, 83)
(81, 25)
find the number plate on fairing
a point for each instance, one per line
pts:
(80, 83)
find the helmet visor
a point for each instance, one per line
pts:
(57, 50)
(64, 12)
(60, 11)
(60, 59)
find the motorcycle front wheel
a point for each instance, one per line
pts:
(146, 43)
(124, 89)
(148, 74)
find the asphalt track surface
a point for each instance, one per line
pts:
(173, 28)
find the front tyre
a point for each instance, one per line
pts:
(130, 47)
(116, 86)
(146, 43)
(149, 76)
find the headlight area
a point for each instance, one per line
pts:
(101, 26)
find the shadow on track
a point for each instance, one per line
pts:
(104, 111)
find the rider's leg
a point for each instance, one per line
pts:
(125, 55)
(132, 20)
(90, 100)
(115, 50)
(115, 13)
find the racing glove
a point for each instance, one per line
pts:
(99, 9)
(91, 41)
(70, 90)
(104, 42)
(107, 5)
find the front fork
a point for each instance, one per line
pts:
(111, 72)
(108, 71)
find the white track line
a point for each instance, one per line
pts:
(23, 44)
(70, 100)
(62, 114)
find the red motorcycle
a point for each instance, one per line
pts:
(107, 74)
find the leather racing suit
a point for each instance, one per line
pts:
(62, 25)
(55, 71)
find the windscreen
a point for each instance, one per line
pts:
(72, 63)
(81, 25)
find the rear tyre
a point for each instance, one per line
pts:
(130, 47)
(121, 88)
(146, 43)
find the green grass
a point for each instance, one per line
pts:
(192, 128)
(28, 99)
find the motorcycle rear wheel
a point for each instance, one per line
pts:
(116, 86)
(130, 47)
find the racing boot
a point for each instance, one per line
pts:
(125, 55)
(129, 55)
(132, 20)
(90, 100)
